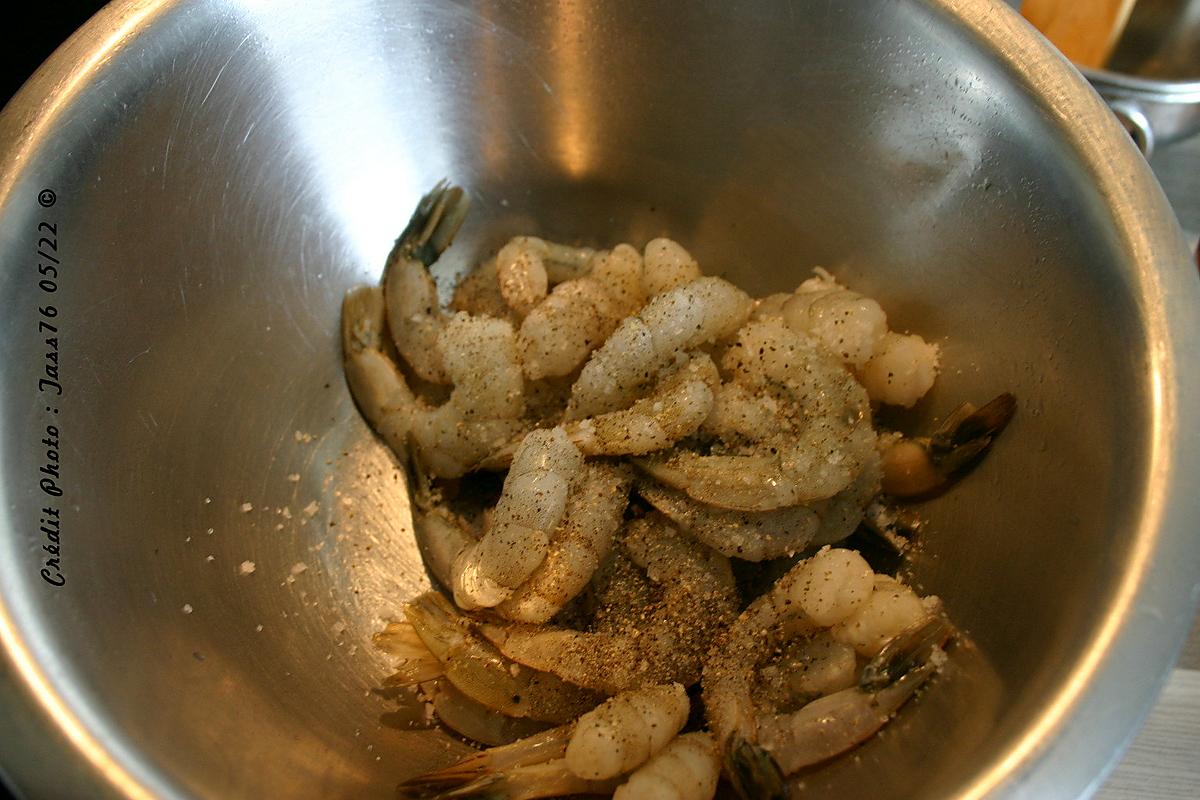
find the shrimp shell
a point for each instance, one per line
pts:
(479, 671)
(414, 315)
(476, 721)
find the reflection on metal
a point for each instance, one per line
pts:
(226, 169)
(572, 41)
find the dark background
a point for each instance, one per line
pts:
(24, 45)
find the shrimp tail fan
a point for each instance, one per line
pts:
(753, 772)
(433, 224)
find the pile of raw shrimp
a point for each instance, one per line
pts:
(593, 438)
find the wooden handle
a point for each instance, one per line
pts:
(1086, 31)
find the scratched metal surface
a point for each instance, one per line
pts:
(226, 170)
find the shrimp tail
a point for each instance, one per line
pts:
(433, 225)
(920, 468)
(906, 653)
(464, 772)
(410, 673)
(968, 433)
(444, 781)
(485, 787)
(753, 771)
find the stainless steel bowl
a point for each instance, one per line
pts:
(208, 178)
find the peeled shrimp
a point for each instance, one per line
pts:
(414, 314)
(896, 369)
(483, 407)
(837, 722)
(630, 361)
(847, 323)
(664, 641)
(762, 535)
(480, 672)
(576, 548)
(921, 466)
(901, 371)
(561, 331)
(677, 406)
(530, 507)
(686, 769)
(614, 738)
(521, 269)
(891, 608)
(477, 354)
(793, 424)
(667, 265)
(834, 591)
(626, 730)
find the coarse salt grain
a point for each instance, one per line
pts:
(246, 568)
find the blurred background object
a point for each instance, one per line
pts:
(1086, 32)
(1143, 57)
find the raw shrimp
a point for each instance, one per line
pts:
(837, 722)
(847, 323)
(835, 589)
(901, 371)
(476, 721)
(483, 410)
(626, 731)
(678, 405)
(562, 330)
(641, 645)
(667, 265)
(414, 315)
(375, 383)
(478, 294)
(793, 424)
(577, 547)
(612, 739)
(477, 354)
(771, 306)
(530, 507)
(730, 671)
(631, 360)
(921, 466)
(521, 269)
(891, 608)
(480, 672)
(686, 769)
(762, 535)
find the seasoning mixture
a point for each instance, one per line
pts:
(593, 439)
